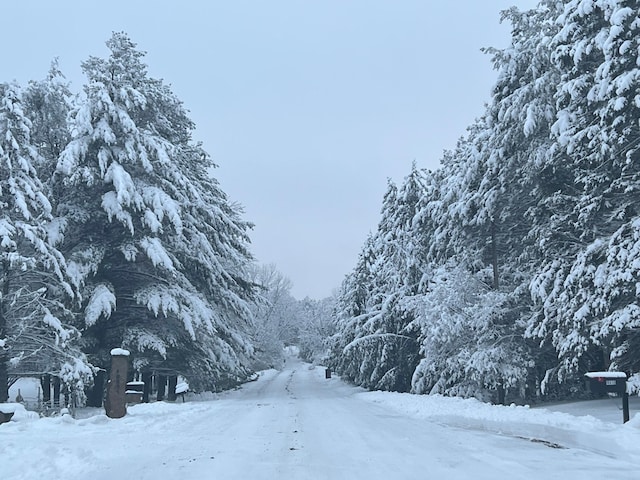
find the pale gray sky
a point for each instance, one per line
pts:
(308, 106)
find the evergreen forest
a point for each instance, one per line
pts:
(514, 268)
(505, 274)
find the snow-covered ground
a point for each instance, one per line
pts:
(295, 424)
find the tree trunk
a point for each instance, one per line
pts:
(95, 395)
(162, 383)
(494, 256)
(4, 355)
(606, 357)
(56, 391)
(45, 383)
(146, 378)
(4, 377)
(171, 395)
(501, 394)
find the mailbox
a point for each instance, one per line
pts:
(607, 382)
(134, 392)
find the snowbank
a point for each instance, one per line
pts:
(19, 412)
(300, 416)
(556, 429)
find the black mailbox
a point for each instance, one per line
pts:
(5, 417)
(607, 382)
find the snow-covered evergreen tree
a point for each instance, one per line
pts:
(587, 285)
(472, 220)
(381, 352)
(36, 327)
(505, 188)
(466, 347)
(47, 104)
(156, 247)
(351, 312)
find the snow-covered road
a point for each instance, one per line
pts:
(292, 424)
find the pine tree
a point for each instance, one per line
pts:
(462, 339)
(36, 326)
(350, 313)
(157, 248)
(47, 104)
(589, 287)
(381, 353)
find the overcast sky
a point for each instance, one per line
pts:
(308, 107)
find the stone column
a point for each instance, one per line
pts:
(116, 402)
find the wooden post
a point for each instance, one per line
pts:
(502, 393)
(625, 407)
(4, 354)
(171, 395)
(116, 403)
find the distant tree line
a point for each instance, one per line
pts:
(515, 267)
(281, 321)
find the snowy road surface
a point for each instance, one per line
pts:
(293, 424)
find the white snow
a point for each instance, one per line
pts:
(120, 351)
(182, 387)
(605, 375)
(295, 424)
(10, 407)
(102, 302)
(156, 252)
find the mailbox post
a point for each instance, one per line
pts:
(611, 382)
